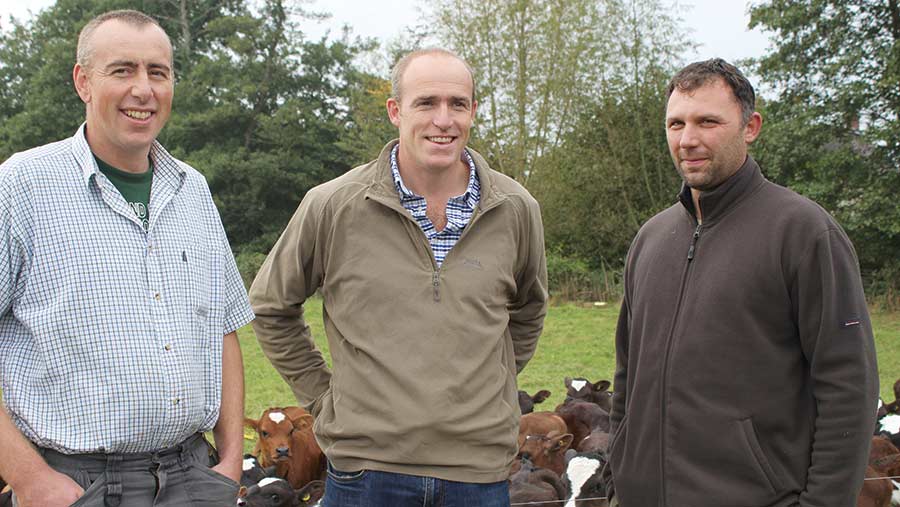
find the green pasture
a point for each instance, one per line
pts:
(578, 340)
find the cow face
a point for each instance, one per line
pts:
(581, 389)
(275, 492)
(546, 451)
(275, 429)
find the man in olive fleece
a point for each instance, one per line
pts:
(433, 279)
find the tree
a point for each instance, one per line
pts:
(537, 62)
(258, 109)
(833, 132)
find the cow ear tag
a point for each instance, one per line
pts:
(306, 497)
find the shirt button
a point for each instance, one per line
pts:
(168, 346)
(175, 401)
(157, 296)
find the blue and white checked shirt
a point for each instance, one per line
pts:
(459, 209)
(110, 336)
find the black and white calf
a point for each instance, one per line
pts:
(252, 472)
(276, 492)
(583, 479)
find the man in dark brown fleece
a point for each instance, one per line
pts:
(746, 371)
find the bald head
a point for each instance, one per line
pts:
(399, 69)
(85, 49)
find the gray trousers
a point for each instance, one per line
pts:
(179, 476)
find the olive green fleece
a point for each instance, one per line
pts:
(424, 358)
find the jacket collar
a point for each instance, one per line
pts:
(718, 202)
(383, 181)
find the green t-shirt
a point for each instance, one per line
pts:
(135, 188)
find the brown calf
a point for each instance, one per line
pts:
(875, 492)
(540, 423)
(286, 440)
(582, 418)
(547, 451)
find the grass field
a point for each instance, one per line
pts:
(577, 341)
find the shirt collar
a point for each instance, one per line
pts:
(473, 188)
(166, 167)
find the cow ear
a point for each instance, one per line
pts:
(303, 421)
(540, 396)
(602, 385)
(251, 423)
(242, 492)
(568, 382)
(312, 492)
(562, 442)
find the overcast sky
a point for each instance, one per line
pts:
(720, 26)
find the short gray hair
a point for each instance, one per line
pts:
(138, 19)
(401, 65)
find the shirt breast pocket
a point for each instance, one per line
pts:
(195, 283)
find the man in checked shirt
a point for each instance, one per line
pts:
(118, 302)
(433, 280)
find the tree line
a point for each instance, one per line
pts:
(571, 100)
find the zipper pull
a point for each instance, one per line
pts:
(436, 283)
(690, 256)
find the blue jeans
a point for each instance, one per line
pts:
(371, 488)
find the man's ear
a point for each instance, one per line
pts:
(393, 110)
(753, 128)
(82, 83)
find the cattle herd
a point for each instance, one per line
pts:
(561, 454)
(560, 459)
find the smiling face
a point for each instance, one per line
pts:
(434, 113)
(706, 135)
(128, 88)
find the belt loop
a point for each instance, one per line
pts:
(113, 480)
(186, 450)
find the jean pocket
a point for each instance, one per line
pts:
(217, 476)
(342, 477)
(93, 495)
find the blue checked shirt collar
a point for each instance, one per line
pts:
(459, 208)
(470, 198)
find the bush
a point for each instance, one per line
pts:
(248, 264)
(572, 279)
(883, 287)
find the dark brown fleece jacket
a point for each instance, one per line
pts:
(746, 371)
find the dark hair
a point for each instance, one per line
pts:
(702, 73)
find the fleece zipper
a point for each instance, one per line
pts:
(665, 374)
(423, 240)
